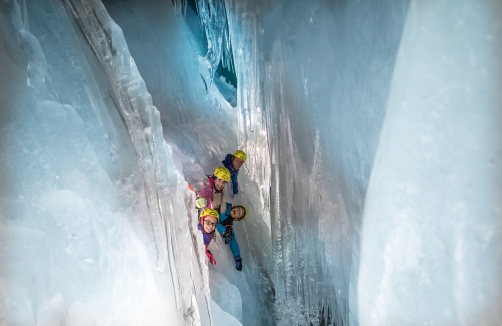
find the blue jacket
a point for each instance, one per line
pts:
(227, 162)
(227, 221)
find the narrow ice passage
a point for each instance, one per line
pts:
(373, 174)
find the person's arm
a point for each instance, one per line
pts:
(234, 247)
(204, 198)
(235, 184)
(210, 257)
(221, 228)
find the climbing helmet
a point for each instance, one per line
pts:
(240, 155)
(222, 173)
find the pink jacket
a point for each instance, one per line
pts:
(207, 192)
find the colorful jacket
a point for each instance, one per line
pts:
(207, 192)
(226, 222)
(207, 236)
(227, 162)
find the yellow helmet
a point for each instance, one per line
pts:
(222, 173)
(240, 154)
(209, 212)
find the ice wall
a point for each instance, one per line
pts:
(77, 241)
(333, 97)
(327, 72)
(432, 223)
(95, 220)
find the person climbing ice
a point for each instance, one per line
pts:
(207, 223)
(225, 228)
(213, 194)
(233, 163)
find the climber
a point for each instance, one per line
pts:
(225, 228)
(233, 163)
(213, 194)
(207, 223)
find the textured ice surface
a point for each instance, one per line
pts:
(225, 294)
(432, 224)
(220, 317)
(81, 238)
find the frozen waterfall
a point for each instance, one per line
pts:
(373, 179)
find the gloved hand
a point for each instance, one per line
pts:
(228, 238)
(201, 202)
(238, 263)
(210, 258)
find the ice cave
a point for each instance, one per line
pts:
(373, 179)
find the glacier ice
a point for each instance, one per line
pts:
(432, 220)
(373, 175)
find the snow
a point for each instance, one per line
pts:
(372, 179)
